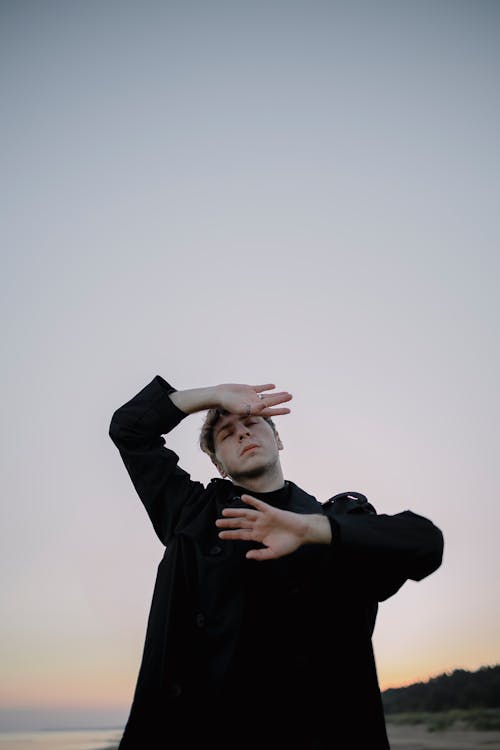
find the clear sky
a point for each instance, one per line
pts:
(303, 193)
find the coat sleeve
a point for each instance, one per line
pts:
(136, 429)
(378, 553)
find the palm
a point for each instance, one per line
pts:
(281, 531)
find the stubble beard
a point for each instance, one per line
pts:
(255, 472)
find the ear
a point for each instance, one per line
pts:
(278, 441)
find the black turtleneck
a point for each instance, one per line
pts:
(277, 498)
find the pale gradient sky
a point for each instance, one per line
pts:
(297, 192)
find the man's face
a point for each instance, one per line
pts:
(245, 446)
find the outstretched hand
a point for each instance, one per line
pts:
(280, 530)
(251, 399)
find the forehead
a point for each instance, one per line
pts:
(230, 420)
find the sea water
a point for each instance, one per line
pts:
(82, 739)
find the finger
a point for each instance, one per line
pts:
(234, 523)
(237, 534)
(260, 388)
(271, 399)
(274, 412)
(259, 504)
(244, 512)
(260, 554)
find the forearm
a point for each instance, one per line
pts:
(405, 538)
(386, 550)
(196, 399)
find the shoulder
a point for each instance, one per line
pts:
(220, 488)
(301, 501)
(348, 502)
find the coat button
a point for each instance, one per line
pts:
(174, 690)
(215, 550)
(200, 620)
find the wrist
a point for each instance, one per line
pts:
(319, 530)
(196, 399)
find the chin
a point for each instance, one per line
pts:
(253, 472)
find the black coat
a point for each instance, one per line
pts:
(264, 654)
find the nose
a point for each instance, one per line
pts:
(243, 432)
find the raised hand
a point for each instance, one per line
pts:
(251, 399)
(280, 530)
(234, 398)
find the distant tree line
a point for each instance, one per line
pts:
(459, 689)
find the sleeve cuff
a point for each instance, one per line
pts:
(149, 412)
(166, 406)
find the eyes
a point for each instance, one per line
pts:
(229, 431)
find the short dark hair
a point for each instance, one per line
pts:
(207, 430)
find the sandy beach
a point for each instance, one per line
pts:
(411, 737)
(417, 737)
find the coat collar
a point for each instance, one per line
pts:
(298, 501)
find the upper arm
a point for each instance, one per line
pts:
(136, 429)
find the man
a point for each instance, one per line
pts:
(259, 634)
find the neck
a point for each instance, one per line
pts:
(267, 482)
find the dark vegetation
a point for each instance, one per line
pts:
(468, 699)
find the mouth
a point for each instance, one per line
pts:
(248, 448)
